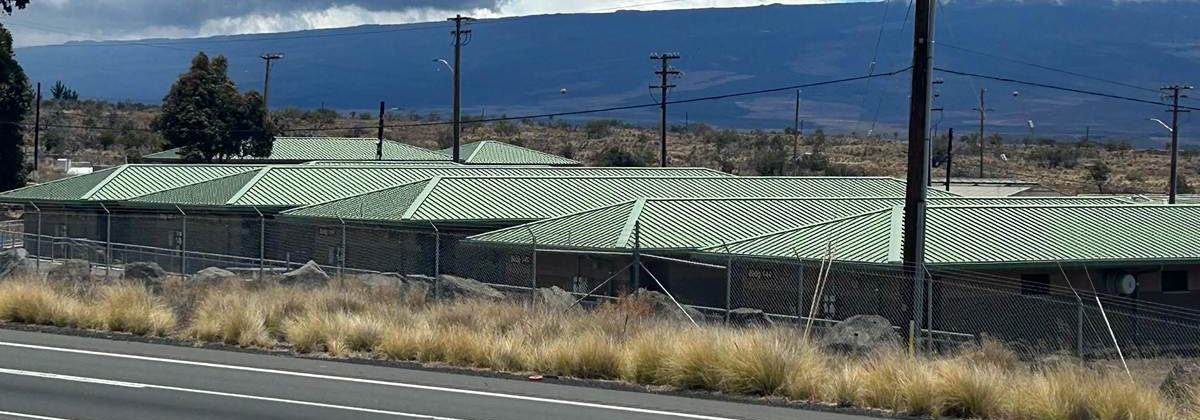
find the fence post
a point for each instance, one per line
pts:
(437, 261)
(635, 276)
(1079, 328)
(728, 287)
(37, 240)
(799, 292)
(182, 243)
(342, 254)
(533, 265)
(107, 242)
(262, 242)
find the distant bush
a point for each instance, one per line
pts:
(596, 129)
(1057, 156)
(616, 156)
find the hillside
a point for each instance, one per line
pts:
(601, 59)
(1061, 165)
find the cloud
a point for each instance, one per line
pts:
(57, 21)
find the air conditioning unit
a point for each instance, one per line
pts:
(1120, 283)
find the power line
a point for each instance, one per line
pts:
(1044, 67)
(1056, 87)
(532, 116)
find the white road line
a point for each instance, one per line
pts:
(107, 382)
(370, 382)
(29, 416)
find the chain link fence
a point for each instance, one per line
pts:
(956, 306)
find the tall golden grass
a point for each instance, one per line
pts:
(621, 341)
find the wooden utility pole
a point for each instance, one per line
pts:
(918, 162)
(1176, 93)
(949, 155)
(37, 128)
(983, 110)
(665, 72)
(458, 33)
(796, 129)
(268, 57)
(379, 143)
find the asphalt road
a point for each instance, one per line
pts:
(48, 376)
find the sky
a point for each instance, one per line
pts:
(57, 21)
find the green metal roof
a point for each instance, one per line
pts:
(303, 149)
(526, 198)
(491, 152)
(998, 235)
(300, 185)
(691, 223)
(123, 182)
(379, 162)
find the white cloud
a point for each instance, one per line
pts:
(57, 21)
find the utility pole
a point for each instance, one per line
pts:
(983, 110)
(458, 33)
(664, 73)
(379, 144)
(1176, 93)
(37, 128)
(268, 57)
(796, 129)
(918, 162)
(949, 155)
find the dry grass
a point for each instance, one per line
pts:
(616, 341)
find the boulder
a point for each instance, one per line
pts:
(381, 280)
(148, 273)
(554, 297)
(1182, 381)
(212, 276)
(15, 262)
(454, 287)
(71, 272)
(749, 317)
(308, 275)
(662, 305)
(860, 334)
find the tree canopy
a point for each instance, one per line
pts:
(61, 92)
(9, 5)
(206, 116)
(15, 98)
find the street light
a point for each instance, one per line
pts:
(444, 62)
(1160, 122)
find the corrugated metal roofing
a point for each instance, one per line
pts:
(491, 152)
(302, 149)
(677, 223)
(974, 235)
(299, 185)
(533, 198)
(60, 189)
(379, 162)
(124, 182)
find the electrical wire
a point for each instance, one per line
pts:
(534, 116)
(1045, 67)
(1056, 87)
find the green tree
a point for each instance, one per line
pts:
(206, 116)
(1099, 173)
(616, 156)
(61, 92)
(15, 98)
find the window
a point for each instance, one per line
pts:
(1174, 281)
(1035, 284)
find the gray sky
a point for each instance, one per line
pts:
(57, 21)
